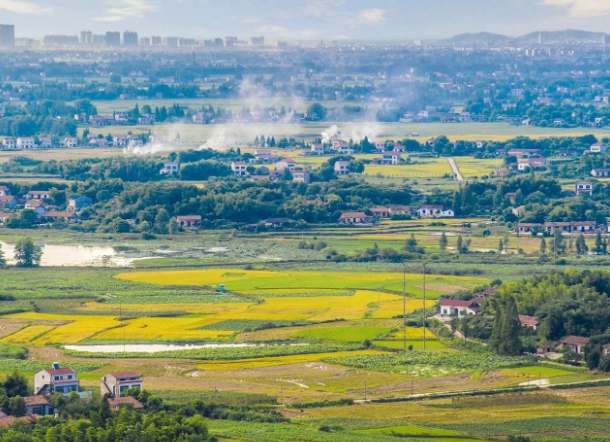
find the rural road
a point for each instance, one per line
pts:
(455, 169)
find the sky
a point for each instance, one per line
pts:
(304, 19)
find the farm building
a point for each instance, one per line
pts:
(575, 343)
(116, 383)
(355, 218)
(430, 211)
(189, 221)
(453, 307)
(529, 321)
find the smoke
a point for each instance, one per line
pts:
(356, 132)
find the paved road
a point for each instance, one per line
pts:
(455, 169)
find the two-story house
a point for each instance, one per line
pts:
(239, 168)
(26, 143)
(584, 188)
(342, 168)
(170, 168)
(70, 142)
(56, 380)
(38, 195)
(116, 383)
(9, 143)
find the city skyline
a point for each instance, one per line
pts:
(291, 20)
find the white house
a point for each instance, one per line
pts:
(598, 148)
(452, 307)
(300, 175)
(170, 168)
(430, 211)
(9, 143)
(135, 141)
(26, 143)
(285, 163)
(600, 173)
(70, 142)
(342, 168)
(38, 195)
(56, 380)
(576, 344)
(189, 221)
(239, 168)
(355, 218)
(584, 187)
(119, 140)
(317, 149)
(116, 383)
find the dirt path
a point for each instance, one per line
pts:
(455, 169)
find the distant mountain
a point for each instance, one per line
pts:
(567, 36)
(479, 38)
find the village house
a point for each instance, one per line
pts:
(529, 321)
(264, 156)
(528, 227)
(380, 147)
(4, 191)
(239, 168)
(584, 188)
(116, 403)
(576, 344)
(155, 139)
(56, 380)
(453, 307)
(189, 221)
(355, 218)
(38, 405)
(119, 140)
(8, 202)
(480, 144)
(146, 119)
(76, 203)
(342, 168)
(46, 143)
(65, 215)
(37, 206)
(532, 163)
(9, 143)
(135, 141)
(381, 212)
(524, 153)
(70, 142)
(601, 172)
(570, 227)
(26, 143)
(277, 222)
(38, 195)
(390, 158)
(401, 210)
(342, 147)
(116, 383)
(8, 421)
(431, 211)
(606, 349)
(598, 148)
(399, 148)
(300, 175)
(285, 163)
(317, 149)
(170, 168)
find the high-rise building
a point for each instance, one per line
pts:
(98, 40)
(257, 41)
(219, 42)
(60, 40)
(230, 41)
(157, 41)
(7, 36)
(130, 38)
(145, 41)
(172, 42)
(86, 37)
(113, 39)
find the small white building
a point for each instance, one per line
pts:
(9, 143)
(342, 168)
(239, 168)
(598, 148)
(432, 211)
(116, 383)
(70, 142)
(170, 168)
(584, 188)
(452, 307)
(286, 163)
(26, 143)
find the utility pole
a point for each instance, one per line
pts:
(365, 399)
(424, 272)
(404, 307)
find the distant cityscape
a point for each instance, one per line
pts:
(126, 39)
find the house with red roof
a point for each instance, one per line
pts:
(454, 307)
(116, 383)
(56, 380)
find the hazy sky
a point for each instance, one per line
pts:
(307, 19)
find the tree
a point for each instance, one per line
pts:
(506, 328)
(443, 242)
(559, 246)
(2, 259)
(581, 245)
(173, 227)
(601, 245)
(543, 246)
(15, 385)
(162, 221)
(17, 407)
(122, 226)
(27, 254)
(501, 246)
